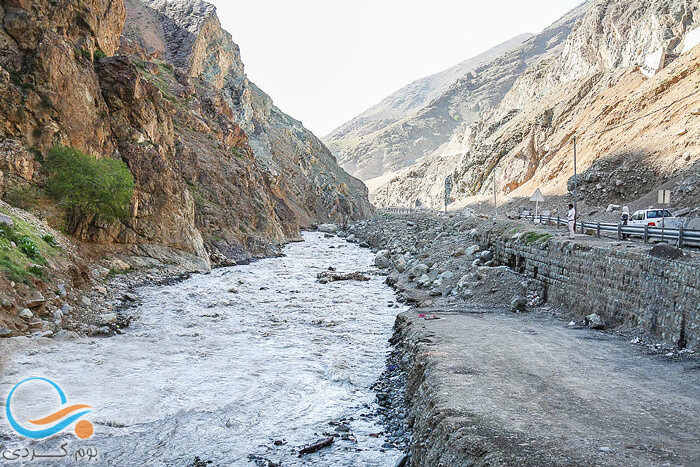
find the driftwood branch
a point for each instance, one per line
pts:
(316, 446)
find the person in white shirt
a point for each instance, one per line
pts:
(571, 217)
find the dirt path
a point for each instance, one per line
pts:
(527, 389)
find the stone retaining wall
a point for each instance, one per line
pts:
(626, 287)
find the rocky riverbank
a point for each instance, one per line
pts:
(494, 373)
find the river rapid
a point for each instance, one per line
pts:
(242, 366)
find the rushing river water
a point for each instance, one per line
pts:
(233, 378)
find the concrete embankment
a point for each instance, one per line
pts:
(487, 386)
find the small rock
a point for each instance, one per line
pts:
(695, 111)
(58, 315)
(7, 303)
(594, 321)
(459, 252)
(351, 238)
(107, 318)
(447, 275)
(400, 264)
(66, 309)
(681, 132)
(486, 255)
(518, 304)
(6, 220)
(118, 265)
(45, 334)
(36, 301)
(382, 259)
(363, 245)
(424, 281)
(132, 298)
(472, 250)
(233, 290)
(101, 289)
(4, 332)
(63, 334)
(85, 301)
(26, 314)
(61, 288)
(604, 449)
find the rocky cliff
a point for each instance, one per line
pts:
(592, 89)
(385, 138)
(220, 172)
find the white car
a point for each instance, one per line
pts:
(652, 218)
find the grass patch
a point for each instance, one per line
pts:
(99, 54)
(28, 255)
(532, 237)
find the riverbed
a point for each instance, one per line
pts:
(242, 366)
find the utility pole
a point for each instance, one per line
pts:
(575, 185)
(495, 201)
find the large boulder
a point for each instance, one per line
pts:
(382, 259)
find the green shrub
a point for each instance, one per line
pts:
(35, 270)
(50, 239)
(87, 186)
(28, 247)
(99, 54)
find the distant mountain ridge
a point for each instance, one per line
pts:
(371, 144)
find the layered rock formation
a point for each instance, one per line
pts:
(221, 173)
(591, 89)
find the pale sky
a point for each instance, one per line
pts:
(325, 61)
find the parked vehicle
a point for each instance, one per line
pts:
(653, 218)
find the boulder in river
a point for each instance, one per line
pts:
(328, 228)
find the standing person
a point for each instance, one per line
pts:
(624, 217)
(571, 217)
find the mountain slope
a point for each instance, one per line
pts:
(592, 89)
(397, 131)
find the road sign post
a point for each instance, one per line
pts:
(538, 198)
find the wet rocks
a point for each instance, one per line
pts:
(328, 228)
(330, 276)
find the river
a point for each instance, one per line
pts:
(242, 378)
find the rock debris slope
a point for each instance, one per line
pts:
(593, 89)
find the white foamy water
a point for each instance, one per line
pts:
(219, 375)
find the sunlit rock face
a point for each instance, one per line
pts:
(220, 171)
(588, 86)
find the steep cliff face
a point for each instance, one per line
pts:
(302, 173)
(220, 172)
(590, 89)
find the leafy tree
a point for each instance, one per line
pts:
(88, 186)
